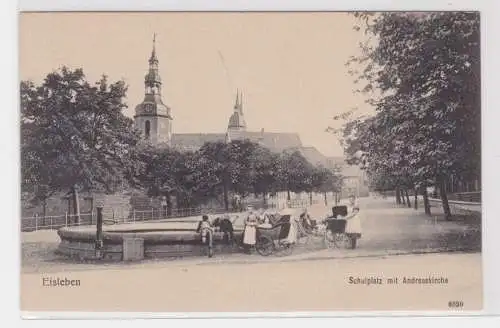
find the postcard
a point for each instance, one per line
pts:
(244, 162)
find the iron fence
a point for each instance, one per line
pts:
(38, 222)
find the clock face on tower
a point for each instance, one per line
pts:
(148, 108)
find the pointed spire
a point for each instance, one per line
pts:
(153, 52)
(237, 104)
(239, 107)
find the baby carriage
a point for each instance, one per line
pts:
(272, 239)
(335, 235)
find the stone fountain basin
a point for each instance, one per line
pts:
(161, 239)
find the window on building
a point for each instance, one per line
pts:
(147, 129)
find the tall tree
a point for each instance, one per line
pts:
(214, 157)
(294, 173)
(77, 132)
(422, 73)
(264, 171)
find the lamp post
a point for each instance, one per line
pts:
(99, 243)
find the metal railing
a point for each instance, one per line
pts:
(36, 222)
(457, 207)
(115, 216)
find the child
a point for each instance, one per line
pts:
(353, 227)
(206, 231)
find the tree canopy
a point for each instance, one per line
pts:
(74, 134)
(240, 167)
(421, 73)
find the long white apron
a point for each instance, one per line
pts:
(354, 224)
(249, 235)
(292, 233)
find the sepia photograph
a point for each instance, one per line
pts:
(209, 162)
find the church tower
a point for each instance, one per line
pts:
(152, 117)
(237, 126)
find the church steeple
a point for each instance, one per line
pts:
(237, 103)
(153, 59)
(152, 116)
(152, 80)
(237, 120)
(241, 103)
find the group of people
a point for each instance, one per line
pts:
(262, 219)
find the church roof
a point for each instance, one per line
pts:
(276, 141)
(195, 140)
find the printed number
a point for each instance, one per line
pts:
(455, 304)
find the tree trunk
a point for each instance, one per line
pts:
(444, 200)
(408, 202)
(288, 197)
(398, 196)
(76, 205)
(402, 197)
(427, 206)
(415, 205)
(310, 198)
(326, 201)
(264, 200)
(44, 211)
(226, 197)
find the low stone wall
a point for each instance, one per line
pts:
(154, 251)
(85, 250)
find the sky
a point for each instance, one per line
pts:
(289, 66)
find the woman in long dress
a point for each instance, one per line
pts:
(292, 232)
(353, 225)
(250, 232)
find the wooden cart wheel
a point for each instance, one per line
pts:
(264, 245)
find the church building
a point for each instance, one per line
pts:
(154, 119)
